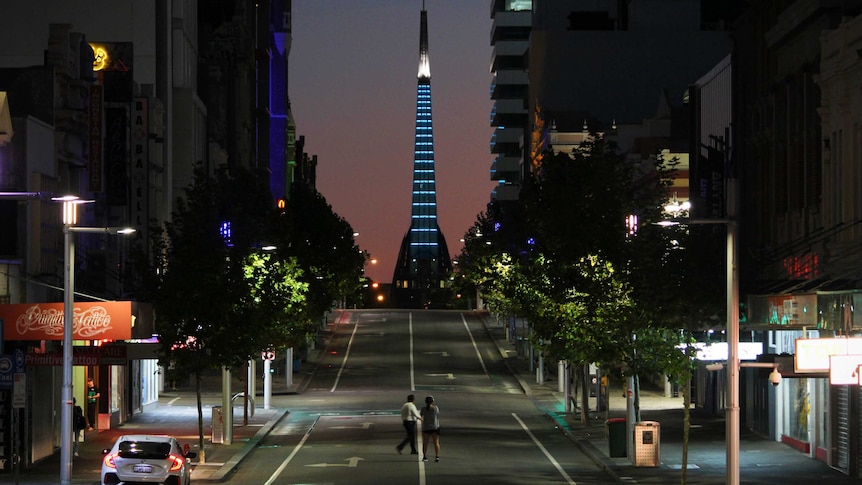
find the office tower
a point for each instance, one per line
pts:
(510, 34)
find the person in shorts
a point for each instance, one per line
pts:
(430, 415)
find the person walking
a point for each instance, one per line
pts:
(92, 402)
(79, 423)
(430, 415)
(409, 415)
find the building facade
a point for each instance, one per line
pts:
(511, 21)
(791, 141)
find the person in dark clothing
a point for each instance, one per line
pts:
(79, 423)
(409, 415)
(92, 402)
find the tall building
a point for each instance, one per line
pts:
(245, 47)
(423, 264)
(103, 99)
(510, 37)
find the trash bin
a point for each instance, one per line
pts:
(616, 437)
(647, 443)
(217, 424)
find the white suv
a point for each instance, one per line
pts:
(144, 458)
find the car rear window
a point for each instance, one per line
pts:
(144, 449)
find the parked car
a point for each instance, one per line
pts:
(144, 458)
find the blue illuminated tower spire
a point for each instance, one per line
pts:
(423, 265)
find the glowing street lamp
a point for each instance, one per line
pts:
(70, 218)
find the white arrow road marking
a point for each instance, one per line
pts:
(449, 376)
(365, 425)
(442, 354)
(352, 462)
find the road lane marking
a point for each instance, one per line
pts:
(449, 376)
(544, 450)
(421, 463)
(365, 425)
(293, 453)
(346, 355)
(442, 354)
(476, 347)
(352, 462)
(412, 369)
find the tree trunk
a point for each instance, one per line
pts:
(202, 453)
(686, 424)
(245, 394)
(585, 394)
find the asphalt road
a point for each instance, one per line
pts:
(343, 428)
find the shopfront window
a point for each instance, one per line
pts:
(798, 413)
(116, 387)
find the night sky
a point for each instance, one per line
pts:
(353, 66)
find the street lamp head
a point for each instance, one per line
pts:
(70, 207)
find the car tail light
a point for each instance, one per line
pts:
(176, 462)
(109, 460)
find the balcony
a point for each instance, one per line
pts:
(506, 192)
(506, 167)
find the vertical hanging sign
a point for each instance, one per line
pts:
(139, 203)
(94, 139)
(116, 160)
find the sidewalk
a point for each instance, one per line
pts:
(174, 414)
(762, 461)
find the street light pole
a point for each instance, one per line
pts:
(68, 326)
(70, 218)
(732, 421)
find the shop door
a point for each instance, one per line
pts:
(841, 428)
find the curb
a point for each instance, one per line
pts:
(599, 459)
(228, 467)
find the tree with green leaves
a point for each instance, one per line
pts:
(324, 246)
(606, 284)
(217, 300)
(596, 281)
(580, 206)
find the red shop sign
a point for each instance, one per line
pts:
(104, 320)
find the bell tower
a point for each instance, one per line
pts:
(424, 265)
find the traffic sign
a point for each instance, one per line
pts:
(11, 364)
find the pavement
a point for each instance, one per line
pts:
(762, 461)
